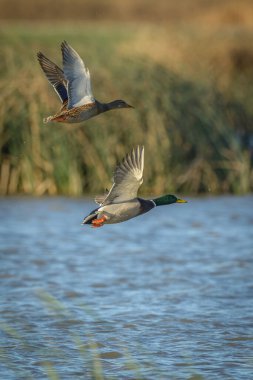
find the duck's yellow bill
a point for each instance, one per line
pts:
(181, 201)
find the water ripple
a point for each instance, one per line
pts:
(166, 294)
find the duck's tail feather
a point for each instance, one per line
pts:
(88, 219)
(47, 119)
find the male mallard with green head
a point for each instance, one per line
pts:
(121, 203)
(73, 86)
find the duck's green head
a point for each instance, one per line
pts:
(167, 200)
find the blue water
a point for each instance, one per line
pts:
(168, 295)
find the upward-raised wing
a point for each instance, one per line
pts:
(128, 177)
(78, 76)
(55, 76)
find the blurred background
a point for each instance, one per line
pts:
(166, 295)
(186, 66)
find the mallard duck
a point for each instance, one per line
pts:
(121, 202)
(73, 87)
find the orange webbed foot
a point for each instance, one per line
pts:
(99, 222)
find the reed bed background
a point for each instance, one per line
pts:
(189, 78)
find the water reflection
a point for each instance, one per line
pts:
(165, 295)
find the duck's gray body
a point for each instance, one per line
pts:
(76, 114)
(84, 115)
(86, 112)
(120, 212)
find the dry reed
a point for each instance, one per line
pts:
(196, 130)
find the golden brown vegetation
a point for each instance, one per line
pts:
(189, 80)
(202, 11)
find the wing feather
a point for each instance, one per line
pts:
(127, 179)
(78, 76)
(54, 75)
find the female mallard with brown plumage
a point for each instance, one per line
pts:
(121, 203)
(73, 86)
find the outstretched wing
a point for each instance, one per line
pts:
(78, 76)
(99, 199)
(55, 76)
(128, 177)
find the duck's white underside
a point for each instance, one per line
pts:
(120, 212)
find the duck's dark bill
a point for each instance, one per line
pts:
(181, 201)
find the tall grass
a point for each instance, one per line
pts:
(197, 131)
